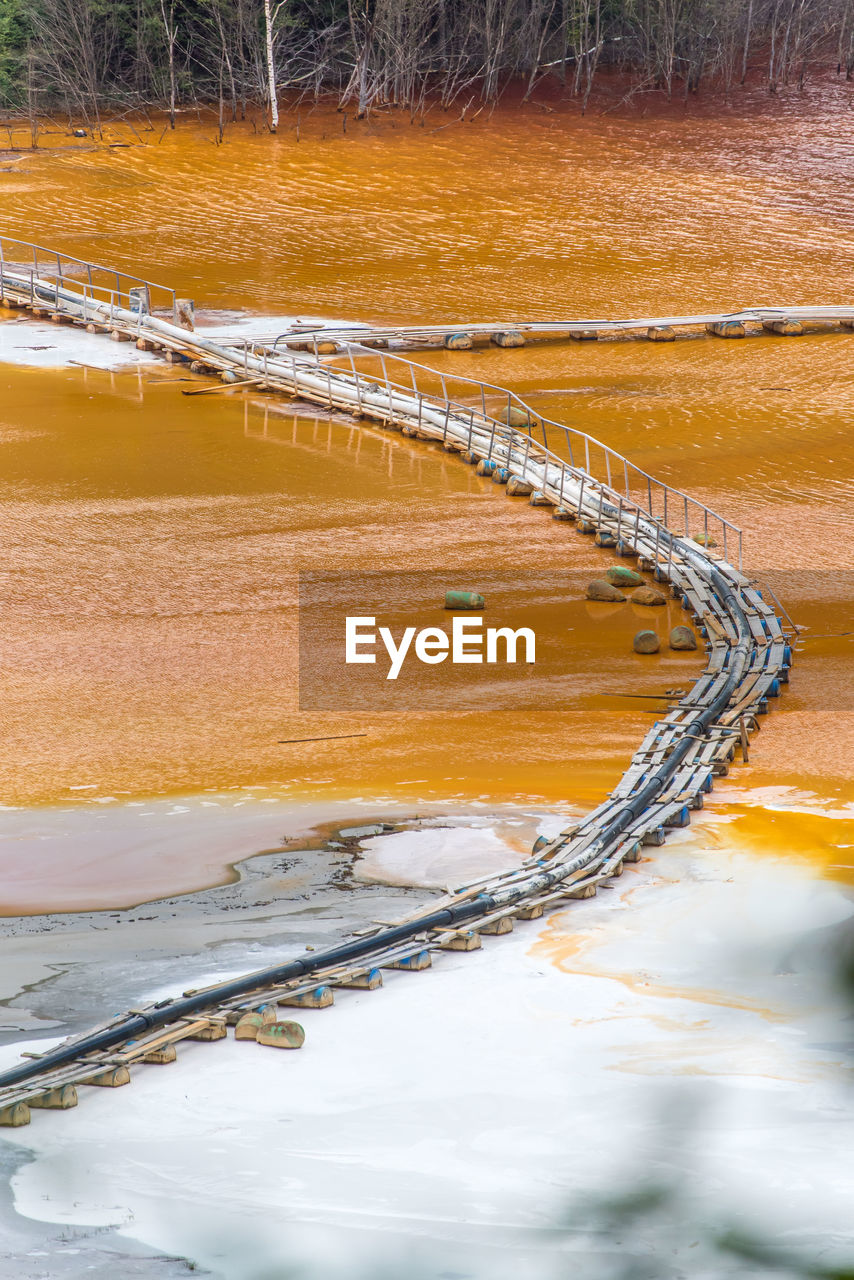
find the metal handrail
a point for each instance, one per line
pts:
(679, 502)
(504, 435)
(621, 464)
(91, 269)
(91, 298)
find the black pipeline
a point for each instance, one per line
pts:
(168, 1011)
(137, 1024)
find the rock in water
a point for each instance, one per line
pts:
(282, 1035)
(648, 595)
(601, 590)
(682, 638)
(619, 575)
(514, 416)
(727, 329)
(464, 600)
(646, 642)
(250, 1024)
(788, 328)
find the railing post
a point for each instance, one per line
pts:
(357, 380)
(569, 446)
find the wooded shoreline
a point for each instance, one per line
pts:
(87, 57)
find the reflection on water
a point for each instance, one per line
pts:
(154, 547)
(154, 540)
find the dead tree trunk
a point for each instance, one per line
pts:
(168, 14)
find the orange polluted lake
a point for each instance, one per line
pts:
(153, 541)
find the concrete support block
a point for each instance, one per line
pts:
(213, 1031)
(15, 1116)
(59, 1099)
(532, 912)
(111, 1078)
(319, 998)
(495, 927)
(467, 941)
(185, 313)
(368, 981)
(411, 964)
(161, 1057)
(583, 891)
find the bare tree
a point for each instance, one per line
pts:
(271, 13)
(167, 10)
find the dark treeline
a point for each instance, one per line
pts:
(85, 56)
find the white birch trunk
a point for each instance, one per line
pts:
(271, 69)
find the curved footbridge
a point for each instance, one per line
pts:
(574, 478)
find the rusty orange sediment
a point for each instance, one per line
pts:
(758, 429)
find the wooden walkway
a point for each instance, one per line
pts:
(574, 478)
(791, 321)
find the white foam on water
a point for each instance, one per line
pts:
(450, 1123)
(435, 858)
(43, 345)
(52, 346)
